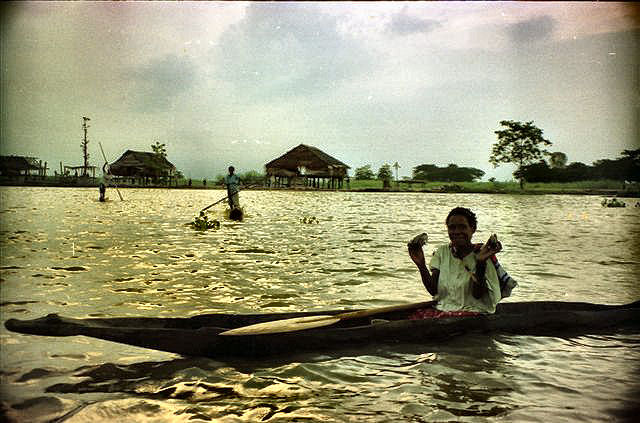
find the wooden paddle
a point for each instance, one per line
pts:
(222, 199)
(309, 322)
(106, 163)
(211, 205)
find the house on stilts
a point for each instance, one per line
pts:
(19, 168)
(306, 167)
(143, 168)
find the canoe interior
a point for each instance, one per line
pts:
(230, 321)
(198, 335)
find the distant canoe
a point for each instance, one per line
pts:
(199, 335)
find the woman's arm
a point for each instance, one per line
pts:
(429, 280)
(479, 284)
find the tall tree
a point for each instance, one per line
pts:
(85, 143)
(521, 144)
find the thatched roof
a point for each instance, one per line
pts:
(314, 160)
(15, 164)
(141, 163)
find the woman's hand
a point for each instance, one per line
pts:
(415, 250)
(491, 247)
(417, 255)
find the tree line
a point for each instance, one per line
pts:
(523, 144)
(424, 172)
(624, 168)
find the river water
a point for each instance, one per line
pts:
(64, 252)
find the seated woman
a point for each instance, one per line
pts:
(464, 277)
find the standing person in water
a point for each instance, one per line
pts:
(232, 181)
(465, 278)
(103, 190)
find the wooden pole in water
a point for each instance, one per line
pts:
(106, 162)
(85, 143)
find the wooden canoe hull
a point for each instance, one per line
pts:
(198, 335)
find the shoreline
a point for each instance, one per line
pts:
(443, 190)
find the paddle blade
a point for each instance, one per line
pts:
(286, 325)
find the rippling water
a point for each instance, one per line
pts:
(63, 252)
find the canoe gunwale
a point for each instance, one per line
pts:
(198, 335)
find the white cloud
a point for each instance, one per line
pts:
(532, 30)
(405, 24)
(284, 50)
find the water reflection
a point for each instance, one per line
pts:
(62, 252)
(449, 383)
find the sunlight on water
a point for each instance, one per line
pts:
(64, 252)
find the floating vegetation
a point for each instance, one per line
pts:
(309, 220)
(614, 202)
(202, 223)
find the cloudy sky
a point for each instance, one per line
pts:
(369, 83)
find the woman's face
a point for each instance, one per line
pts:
(460, 232)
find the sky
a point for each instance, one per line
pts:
(370, 83)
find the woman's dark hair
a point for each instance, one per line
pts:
(462, 211)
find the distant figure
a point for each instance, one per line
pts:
(189, 181)
(204, 182)
(103, 190)
(232, 181)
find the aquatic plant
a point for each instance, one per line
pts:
(202, 223)
(309, 220)
(614, 202)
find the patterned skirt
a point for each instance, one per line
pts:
(432, 313)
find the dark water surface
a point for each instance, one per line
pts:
(63, 252)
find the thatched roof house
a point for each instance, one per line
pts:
(306, 165)
(142, 165)
(17, 165)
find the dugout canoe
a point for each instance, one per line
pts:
(200, 335)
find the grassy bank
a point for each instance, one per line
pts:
(607, 188)
(599, 187)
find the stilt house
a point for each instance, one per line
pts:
(306, 166)
(19, 166)
(139, 167)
